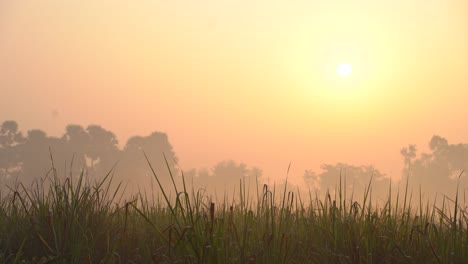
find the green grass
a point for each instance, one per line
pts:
(58, 220)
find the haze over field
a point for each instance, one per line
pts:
(259, 83)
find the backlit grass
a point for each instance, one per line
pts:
(82, 221)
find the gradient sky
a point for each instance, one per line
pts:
(252, 81)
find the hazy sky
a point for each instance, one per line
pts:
(252, 81)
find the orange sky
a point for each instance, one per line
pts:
(252, 81)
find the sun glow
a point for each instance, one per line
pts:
(344, 69)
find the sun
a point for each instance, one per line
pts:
(344, 69)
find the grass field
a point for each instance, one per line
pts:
(80, 221)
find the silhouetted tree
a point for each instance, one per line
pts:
(93, 150)
(10, 161)
(103, 150)
(409, 153)
(34, 155)
(437, 171)
(76, 143)
(134, 166)
(226, 176)
(356, 179)
(9, 134)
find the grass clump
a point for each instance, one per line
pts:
(85, 222)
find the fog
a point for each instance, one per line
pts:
(240, 88)
(94, 152)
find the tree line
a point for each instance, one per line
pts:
(94, 151)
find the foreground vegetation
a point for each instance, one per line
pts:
(59, 220)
